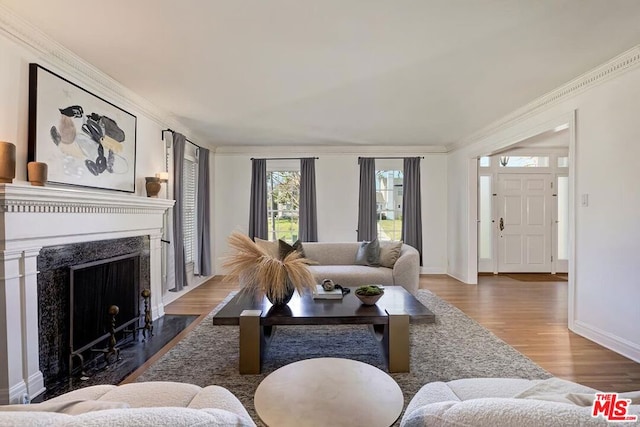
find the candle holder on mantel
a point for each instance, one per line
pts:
(7, 162)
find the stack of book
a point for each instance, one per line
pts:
(320, 293)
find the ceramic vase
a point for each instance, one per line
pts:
(37, 173)
(7, 162)
(283, 300)
(153, 186)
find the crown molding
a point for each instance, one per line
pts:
(314, 150)
(603, 73)
(56, 55)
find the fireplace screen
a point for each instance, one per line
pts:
(95, 287)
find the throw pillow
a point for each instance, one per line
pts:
(369, 254)
(389, 253)
(269, 248)
(285, 249)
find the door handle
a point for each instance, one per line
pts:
(501, 224)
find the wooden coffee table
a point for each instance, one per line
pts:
(328, 392)
(388, 320)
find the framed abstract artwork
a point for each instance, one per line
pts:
(84, 140)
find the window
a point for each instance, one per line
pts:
(485, 229)
(524, 161)
(563, 162)
(563, 218)
(283, 201)
(190, 181)
(485, 162)
(389, 204)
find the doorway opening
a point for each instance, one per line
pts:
(523, 207)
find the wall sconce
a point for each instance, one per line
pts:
(163, 176)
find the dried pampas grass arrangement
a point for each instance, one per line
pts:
(264, 274)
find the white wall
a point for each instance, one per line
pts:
(605, 271)
(14, 105)
(337, 181)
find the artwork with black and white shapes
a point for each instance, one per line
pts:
(84, 139)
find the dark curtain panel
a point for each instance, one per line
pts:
(412, 205)
(203, 243)
(367, 220)
(258, 202)
(178, 232)
(308, 207)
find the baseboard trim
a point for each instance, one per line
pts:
(455, 276)
(13, 395)
(432, 270)
(36, 385)
(613, 342)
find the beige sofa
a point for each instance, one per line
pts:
(507, 402)
(336, 261)
(159, 403)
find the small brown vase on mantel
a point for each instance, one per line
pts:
(37, 172)
(7, 162)
(153, 186)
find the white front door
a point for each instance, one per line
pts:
(524, 223)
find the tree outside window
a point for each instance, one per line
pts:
(389, 204)
(283, 201)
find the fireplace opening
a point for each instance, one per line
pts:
(95, 287)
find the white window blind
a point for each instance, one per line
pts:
(189, 208)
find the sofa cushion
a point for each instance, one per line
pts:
(352, 275)
(324, 253)
(368, 254)
(94, 392)
(159, 417)
(475, 388)
(500, 412)
(34, 418)
(160, 403)
(389, 253)
(559, 390)
(216, 397)
(156, 394)
(70, 407)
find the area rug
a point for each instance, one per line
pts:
(453, 347)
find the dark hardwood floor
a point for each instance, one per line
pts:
(527, 313)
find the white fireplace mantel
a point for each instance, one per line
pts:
(34, 217)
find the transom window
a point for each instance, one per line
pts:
(389, 204)
(524, 161)
(283, 204)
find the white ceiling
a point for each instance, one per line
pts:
(339, 72)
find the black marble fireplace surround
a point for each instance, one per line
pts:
(54, 264)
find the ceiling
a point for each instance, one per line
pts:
(339, 72)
